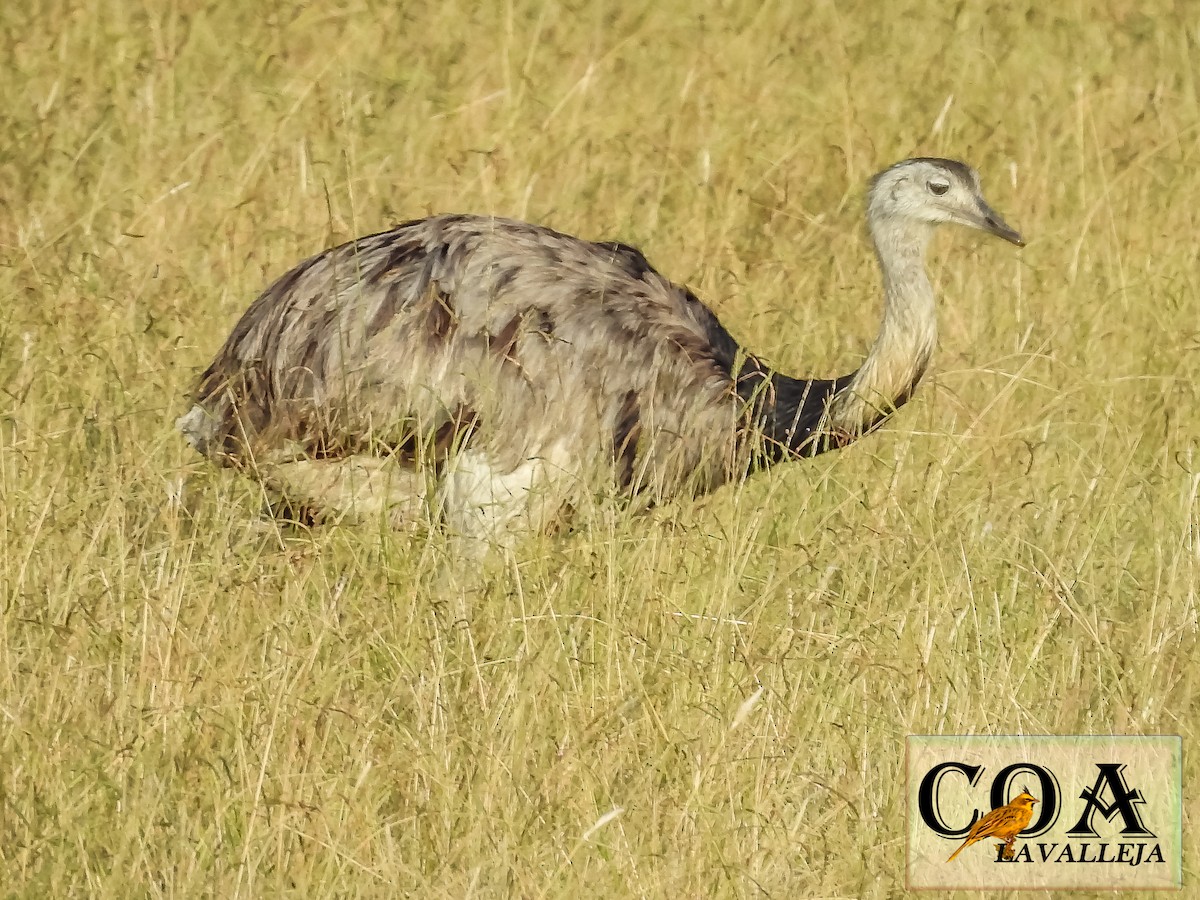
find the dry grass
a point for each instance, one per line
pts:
(199, 705)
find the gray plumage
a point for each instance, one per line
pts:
(499, 372)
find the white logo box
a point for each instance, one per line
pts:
(1109, 815)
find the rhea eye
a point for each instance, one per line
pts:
(939, 187)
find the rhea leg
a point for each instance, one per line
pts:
(355, 488)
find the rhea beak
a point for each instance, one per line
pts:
(989, 220)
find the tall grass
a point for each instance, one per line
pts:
(707, 701)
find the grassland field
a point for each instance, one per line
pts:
(707, 701)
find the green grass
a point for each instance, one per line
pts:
(192, 703)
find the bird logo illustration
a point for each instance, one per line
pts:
(1004, 822)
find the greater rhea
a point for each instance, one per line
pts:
(497, 373)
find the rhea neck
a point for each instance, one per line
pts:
(799, 417)
(907, 335)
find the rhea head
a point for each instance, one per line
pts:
(930, 192)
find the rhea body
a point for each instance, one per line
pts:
(496, 372)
